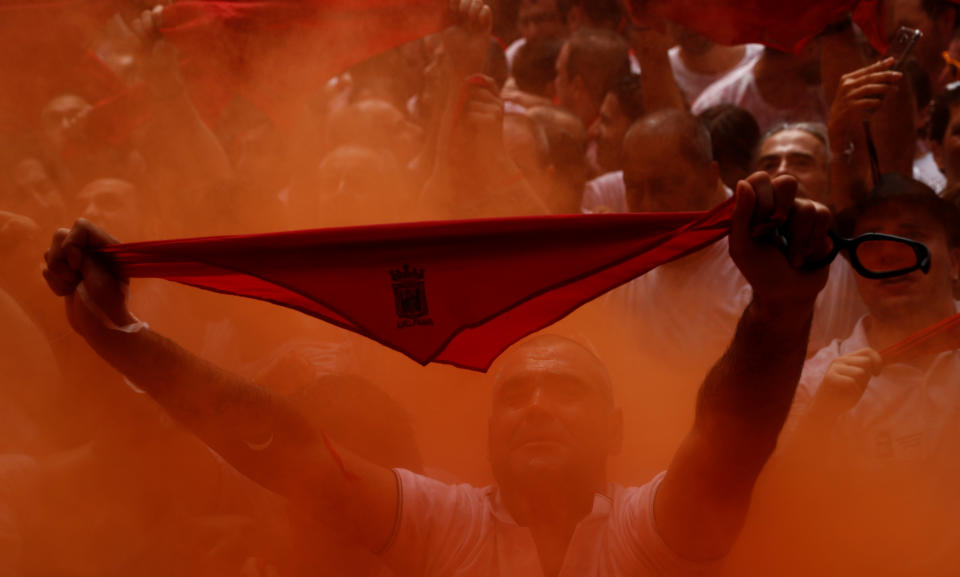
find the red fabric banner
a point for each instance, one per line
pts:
(278, 52)
(451, 292)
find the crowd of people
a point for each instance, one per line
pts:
(729, 413)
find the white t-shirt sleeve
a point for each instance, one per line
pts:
(437, 525)
(636, 545)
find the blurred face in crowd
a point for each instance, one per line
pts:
(608, 132)
(553, 414)
(947, 153)
(937, 31)
(112, 204)
(377, 124)
(36, 194)
(801, 155)
(661, 176)
(571, 91)
(62, 117)
(911, 295)
(539, 20)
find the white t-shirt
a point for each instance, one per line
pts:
(687, 310)
(692, 84)
(676, 311)
(465, 531)
(925, 170)
(605, 193)
(511, 51)
(906, 415)
(740, 89)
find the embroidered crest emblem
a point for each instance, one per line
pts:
(410, 297)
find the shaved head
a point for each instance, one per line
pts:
(557, 355)
(553, 418)
(668, 164)
(674, 127)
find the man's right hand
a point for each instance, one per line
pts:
(859, 95)
(844, 383)
(96, 297)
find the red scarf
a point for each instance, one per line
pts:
(451, 292)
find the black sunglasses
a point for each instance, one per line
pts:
(873, 255)
(876, 256)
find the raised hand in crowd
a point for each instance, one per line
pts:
(651, 39)
(860, 96)
(182, 153)
(473, 175)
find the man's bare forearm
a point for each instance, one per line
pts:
(255, 430)
(745, 399)
(743, 403)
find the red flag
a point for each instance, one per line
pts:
(275, 52)
(278, 52)
(451, 292)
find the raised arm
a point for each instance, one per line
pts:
(473, 176)
(259, 433)
(744, 401)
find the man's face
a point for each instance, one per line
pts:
(37, 194)
(660, 178)
(539, 20)
(63, 117)
(801, 155)
(948, 152)
(912, 294)
(553, 416)
(608, 132)
(111, 204)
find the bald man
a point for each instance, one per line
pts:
(668, 166)
(553, 425)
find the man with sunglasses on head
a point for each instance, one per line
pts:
(876, 414)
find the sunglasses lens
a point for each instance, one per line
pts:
(885, 256)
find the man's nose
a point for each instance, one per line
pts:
(782, 168)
